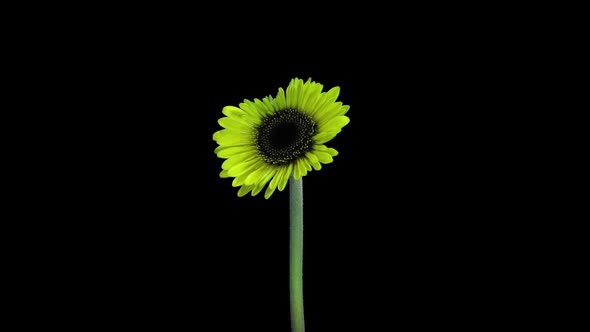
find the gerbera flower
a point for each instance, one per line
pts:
(266, 141)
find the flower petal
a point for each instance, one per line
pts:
(325, 136)
(332, 152)
(244, 167)
(233, 123)
(229, 137)
(239, 180)
(267, 177)
(280, 100)
(324, 157)
(312, 97)
(293, 93)
(237, 159)
(327, 113)
(244, 190)
(297, 171)
(257, 175)
(235, 150)
(343, 109)
(272, 185)
(232, 111)
(270, 104)
(300, 169)
(252, 110)
(285, 176)
(326, 103)
(313, 161)
(335, 123)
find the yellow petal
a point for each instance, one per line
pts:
(332, 152)
(257, 175)
(244, 190)
(265, 178)
(313, 161)
(246, 166)
(272, 185)
(324, 157)
(335, 123)
(234, 150)
(285, 177)
(232, 111)
(236, 159)
(326, 136)
(232, 123)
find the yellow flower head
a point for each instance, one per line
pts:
(265, 141)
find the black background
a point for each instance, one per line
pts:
(401, 229)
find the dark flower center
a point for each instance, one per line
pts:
(285, 136)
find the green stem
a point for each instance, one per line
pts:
(296, 253)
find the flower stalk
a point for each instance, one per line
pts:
(296, 254)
